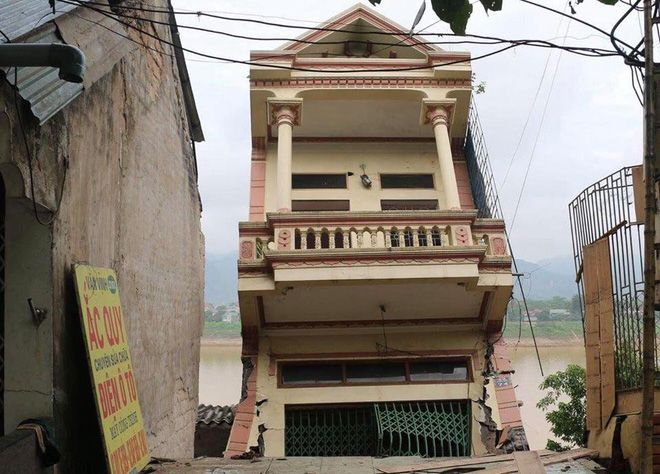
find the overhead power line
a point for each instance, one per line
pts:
(531, 110)
(279, 66)
(155, 9)
(578, 20)
(474, 39)
(536, 140)
(482, 40)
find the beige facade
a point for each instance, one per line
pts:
(367, 245)
(120, 159)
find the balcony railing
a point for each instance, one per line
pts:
(370, 238)
(482, 182)
(358, 231)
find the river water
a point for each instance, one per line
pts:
(220, 380)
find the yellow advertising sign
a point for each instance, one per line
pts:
(112, 371)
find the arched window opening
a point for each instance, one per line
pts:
(311, 240)
(436, 238)
(339, 240)
(421, 237)
(325, 240)
(408, 238)
(394, 238)
(486, 241)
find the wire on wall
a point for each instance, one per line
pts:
(30, 158)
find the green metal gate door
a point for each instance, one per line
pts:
(330, 431)
(427, 429)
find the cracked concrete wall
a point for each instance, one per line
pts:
(357, 345)
(28, 380)
(131, 203)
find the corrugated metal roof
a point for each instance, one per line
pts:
(41, 86)
(46, 93)
(19, 17)
(208, 414)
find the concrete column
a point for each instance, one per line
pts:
(438, 115)
(284, 160)
(284, 114)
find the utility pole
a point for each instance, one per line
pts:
(648, 343)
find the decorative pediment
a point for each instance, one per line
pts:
(360, 35)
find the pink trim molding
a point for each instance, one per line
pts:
(361, 83)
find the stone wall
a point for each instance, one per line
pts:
(130, 202)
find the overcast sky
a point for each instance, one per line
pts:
(592, 125)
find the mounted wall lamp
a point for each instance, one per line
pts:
(38, 314)
(366, 181)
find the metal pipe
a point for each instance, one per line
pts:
(648, 342)
(69, 59)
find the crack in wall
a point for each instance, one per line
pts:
(48, 394)
(496, 440)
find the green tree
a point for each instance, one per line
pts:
(558, 302)
(544, 316)
(568, 419)
(457, 12)
(575, 307)
(219, 314)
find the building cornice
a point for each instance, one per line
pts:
(498, 260)
(254, 228)
(434, 57)
(400, 218)
(354, 65)
(465, 254)
(482, 224)
(360, 83)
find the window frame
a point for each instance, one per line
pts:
(432, 175)
(342, 370)
(293, 175)
(405, 361)
(411, 201)
(344, 201)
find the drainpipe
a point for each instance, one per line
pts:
(69, 59)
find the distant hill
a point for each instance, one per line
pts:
(221, 277)
(562, 265)
(547, 278)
